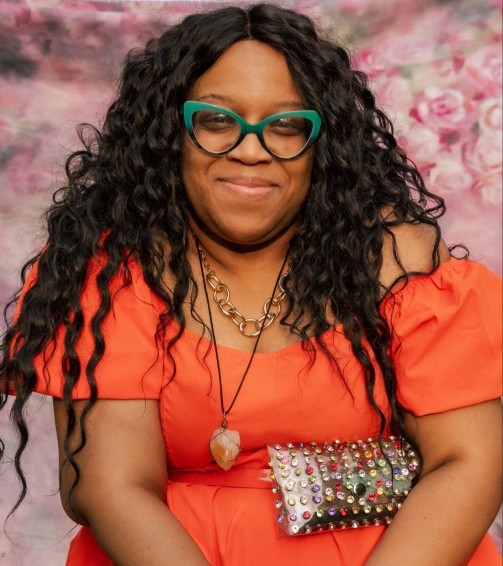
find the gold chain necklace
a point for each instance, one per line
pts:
(221, 295)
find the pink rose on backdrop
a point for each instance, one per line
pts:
(404, 49)
(482, 156)
(394, 97)
(457, 36)
(490, 114)
(445, 110)
(483, 71)
(395, 93)
(448, 69)
(491, 189)
(422, 145)
(369, 61)
(449, 177)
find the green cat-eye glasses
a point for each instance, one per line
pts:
(218, 131)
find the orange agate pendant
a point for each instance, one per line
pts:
(225, 447)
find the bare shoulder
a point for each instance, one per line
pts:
(413, 244)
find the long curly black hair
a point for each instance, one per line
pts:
(125, 189)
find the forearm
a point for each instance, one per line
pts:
(136, 528)
(442, 521)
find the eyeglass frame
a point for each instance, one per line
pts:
(190, 107)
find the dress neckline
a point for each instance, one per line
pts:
(297, 348)
(291, 349)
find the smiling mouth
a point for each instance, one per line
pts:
(249, 182)
(251, 190)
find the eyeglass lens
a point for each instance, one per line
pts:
(217, 132)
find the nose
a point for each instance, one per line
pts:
(250, 151)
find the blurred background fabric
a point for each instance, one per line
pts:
(435, 65)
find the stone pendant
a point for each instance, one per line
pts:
(225, 447)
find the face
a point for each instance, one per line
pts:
(246, 197)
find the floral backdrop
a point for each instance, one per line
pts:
(435, 66)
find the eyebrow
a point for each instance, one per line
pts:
(296, 104)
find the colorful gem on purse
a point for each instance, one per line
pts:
(361, 483)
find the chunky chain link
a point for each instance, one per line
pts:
(221, 295)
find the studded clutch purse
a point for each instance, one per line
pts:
(320, 487)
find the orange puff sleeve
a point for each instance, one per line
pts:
(448, 334)
(132, 366)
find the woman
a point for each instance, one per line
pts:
(244, 253)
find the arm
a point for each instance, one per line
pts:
(121, 490)
(459, 492)
(449, 510)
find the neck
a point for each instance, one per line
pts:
(236, 259)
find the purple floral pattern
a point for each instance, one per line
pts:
(435, 66)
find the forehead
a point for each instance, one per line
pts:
(249, 75)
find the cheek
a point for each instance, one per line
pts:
(189, 162)
(194, 167)
(300, 176)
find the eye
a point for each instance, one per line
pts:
(214, 121)
(287, 126)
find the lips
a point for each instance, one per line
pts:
(249, 182)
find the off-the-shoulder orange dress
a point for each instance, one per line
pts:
(450, 356)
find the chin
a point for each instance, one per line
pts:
(247, 238)
(251, 236)
(245, 231)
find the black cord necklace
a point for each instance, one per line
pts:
(225, 443)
